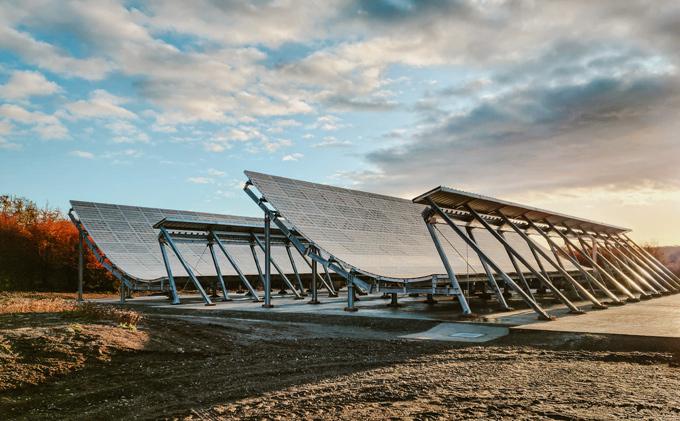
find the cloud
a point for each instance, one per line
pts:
(201, 180)
(332, 142)
(216, 173)
(101, 104)
(47, 126)
(82, 154)
(24, 84)
(9, 146)
(292, 157)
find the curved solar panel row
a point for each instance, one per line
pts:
(125, 234)
(379, 235)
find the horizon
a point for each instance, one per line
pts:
(562, 106)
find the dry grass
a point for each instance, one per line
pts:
(22, 303)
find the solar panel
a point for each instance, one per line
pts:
(380, 235)
(125, 234)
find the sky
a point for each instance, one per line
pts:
(571, 106)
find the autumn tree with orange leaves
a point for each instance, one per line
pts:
(39, 250)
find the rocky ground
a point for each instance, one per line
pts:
(74, 365)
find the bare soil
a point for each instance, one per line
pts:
(177, 366)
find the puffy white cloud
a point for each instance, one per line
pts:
(24, 84)
(100, 104)
(296, 156)
(82, 154)
(47, 126)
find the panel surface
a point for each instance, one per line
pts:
(125, 234)
(380, 235)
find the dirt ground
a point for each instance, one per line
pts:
(66, 365)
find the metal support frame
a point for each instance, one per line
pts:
(490, 278)
(595, 265)
(546, 281)
(518, 271)
(633, 269)
(218, 273)
(234, 265)
(530, 301)
(267, 261)
(81, 266)
(458, 291)
(295, 270)
(315, 273)
(304, 250)
(276, 266)
(593, 280)
(185, 265)
(329, 282)
(350, 293)
(257, 263)
(586, 248)
(536, 251)
(318, 276)
(653, 260)
(168, 269)
(648, 264)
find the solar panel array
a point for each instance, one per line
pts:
(380, 235)
(125, 234)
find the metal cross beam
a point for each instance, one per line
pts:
(594, 264)
(218, 272)
(642, 260)
(527, 299)
(234, 265)
(491, 280)
(465, 307)
(575, 262)
(185, 265)
(277, 267)
(521, 258)
(653, 260)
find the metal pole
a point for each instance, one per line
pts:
(633, 269)
(457, 290)
(329, 281)
(323, 281)
(297, 274)
(233, 264)
(81, 265)
(267, 262)
(523, 261)
(257, 263)
(315, 273)
(616, 270)
(186, 267)
(599, 268)
(491, 280)
(278, 268)
(350, 293)
(661, 277)
(518, 271)
(653, 260)
(533, 304)
(218, 271)
(168, 269)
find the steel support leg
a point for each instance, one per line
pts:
(578, 266)
(234, 265)
(518, 271)
(329, 281)
(491, 279)
(596, 266)
(453, 280)
(267, 262)
(350, 293)
(613, 268)
(301, 287)
(185, 265)
(545, 281)
(660, 276)
(533, 304)
(653, 261)
(81, 265)
(257, 263)
(218, 272)
(633, 269)
(278, 268)
(315, 273)
(168, 269)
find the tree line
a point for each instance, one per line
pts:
(39, 250)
